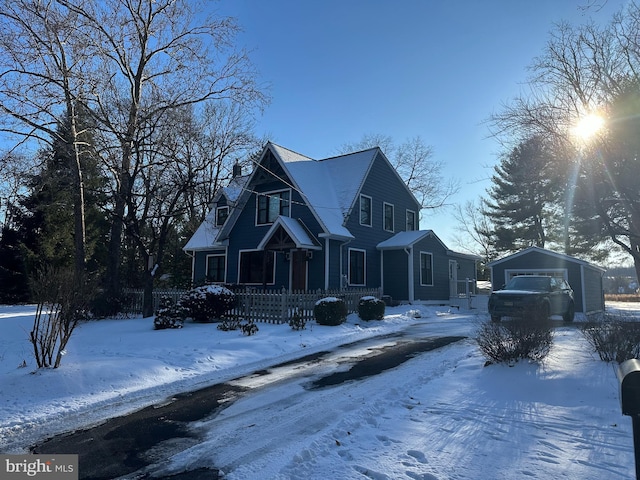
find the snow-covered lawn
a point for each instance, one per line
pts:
(441, 415)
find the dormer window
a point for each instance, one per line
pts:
(221, 215)
(272, 204)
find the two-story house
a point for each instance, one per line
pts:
(305, 224)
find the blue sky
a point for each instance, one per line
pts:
(339, 69)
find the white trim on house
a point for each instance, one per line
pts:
(422, 284)
(269, 194)
(241, 251)
(370, 224)
(384, 216)
(364, 266)
(206, 265)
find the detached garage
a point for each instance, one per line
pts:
(584, 277)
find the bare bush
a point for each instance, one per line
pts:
(615, 339)
(62, 303)
(519, 339)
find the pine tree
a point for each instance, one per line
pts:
(525, 196)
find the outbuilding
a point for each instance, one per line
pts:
(585, 278)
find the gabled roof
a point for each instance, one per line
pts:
(205, 236)
(296, 231)
(329, 187)
(405, 240)
(402, 240)
(544, 251)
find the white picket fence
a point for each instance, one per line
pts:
(266, 306)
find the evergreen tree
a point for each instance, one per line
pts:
(47, 214)
(525, 196)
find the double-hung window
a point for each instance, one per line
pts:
(388, 217)
(426, 269)
(221, 215)
(365, 210)
(411, 220)
(270, 205)
(357, 266)
(216, 265)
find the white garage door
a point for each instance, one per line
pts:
(554, 272)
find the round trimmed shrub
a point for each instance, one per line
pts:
(371, 308)
(330, 311)
(208, 303)
(168, 314)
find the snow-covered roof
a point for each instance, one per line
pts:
(403, 239)
(329, 186)
(407, 239)
(205, 236)
(294, 229)
(544, 251)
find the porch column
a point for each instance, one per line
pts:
(412, 292)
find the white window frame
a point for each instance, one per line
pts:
(384, 216)
(415, 226)
(364, 267)
(422, 282)
(270, 194)
(218, 209)
(273, 279)
(370, 224)
(224, 274)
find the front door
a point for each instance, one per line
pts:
(298, 269)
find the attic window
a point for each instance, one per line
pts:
(271, 205)
(411, 220)
(365, 210)
(388, 217)
(221, 215)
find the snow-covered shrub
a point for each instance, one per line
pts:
(249, 328)
(330, 311)
(168, 314)
(297, 321)
(208, 303)
(519, 339)
(228, 324)
(371, 308)
(615, 339)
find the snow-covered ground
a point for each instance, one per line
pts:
(441, 415)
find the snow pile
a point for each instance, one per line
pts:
(440, 415)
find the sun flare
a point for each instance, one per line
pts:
(588, 126)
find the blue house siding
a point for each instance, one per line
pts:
(440, 288)
(396, 266)
(324, 221)
(381, 188)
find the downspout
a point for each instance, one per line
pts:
(382, 271)
(326, 263)
(412, 292)
(341, 262)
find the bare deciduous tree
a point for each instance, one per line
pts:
(153, 57)
(42, 82)
(586, 69)
(414, 162)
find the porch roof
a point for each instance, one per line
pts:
(403, 239)
(294, 229)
